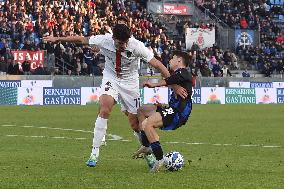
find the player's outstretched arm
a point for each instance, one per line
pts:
(70, 39)
(152, 85)
(165, 73)
(158, 65)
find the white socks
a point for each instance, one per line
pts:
(99, 133)
(103, 141)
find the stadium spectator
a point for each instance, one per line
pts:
(243, 23)
(216, 70)
(69, 72)
(3, 65)
(194, 72)
(89, 59)
(39, 70)
(77, 66)
(246, 73)
(26, 67)
(165, 56)
(205, 71)
(84, 70)
(13, 67)
(225, 72)
(55, 71)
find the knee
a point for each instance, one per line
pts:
(104, 112)
(145, 124)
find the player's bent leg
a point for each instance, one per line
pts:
(149, 125)
(145, 151)
(144, 148)
(133, 120)
(106, 104)
(144, 112)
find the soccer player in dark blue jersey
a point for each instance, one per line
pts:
(166, 118)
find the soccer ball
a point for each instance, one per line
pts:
(173, 161)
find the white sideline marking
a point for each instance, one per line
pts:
(241, 145)
(35, 136)
(119, 138)
(271, 146)
(227, 144)
(126, 140)
(113, 137)
(52, 128)
(250, 145)
(217, 144)
(45, 137)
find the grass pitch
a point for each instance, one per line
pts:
(225, 146)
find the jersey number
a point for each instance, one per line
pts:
(137, 102)
(168, 111)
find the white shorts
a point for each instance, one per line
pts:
(124, 92)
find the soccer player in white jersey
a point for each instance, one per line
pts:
(120, 77)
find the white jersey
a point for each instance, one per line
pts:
(130, 58)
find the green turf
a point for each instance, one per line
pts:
(49, 162)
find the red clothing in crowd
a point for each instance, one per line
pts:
(29, 26)
(91, 4)
(142, 24)
(203, 26)
(243, 23)
(51, 24)
(280, 39)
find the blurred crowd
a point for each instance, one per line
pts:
(212, 62)
(266, 16)
(24, 23)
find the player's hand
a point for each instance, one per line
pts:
(95, 49)
(147, 84)
(180, 91)
(49, 39)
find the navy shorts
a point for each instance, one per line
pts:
(172, 118)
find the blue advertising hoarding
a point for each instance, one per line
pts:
(261, 85)
(196, 96)
(10, 83)
(280, 96)
(61, 96)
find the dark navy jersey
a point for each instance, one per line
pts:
(179, 109)
(181, 77)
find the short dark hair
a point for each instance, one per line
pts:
(121, 32)
(184, 55)
(122, 18)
